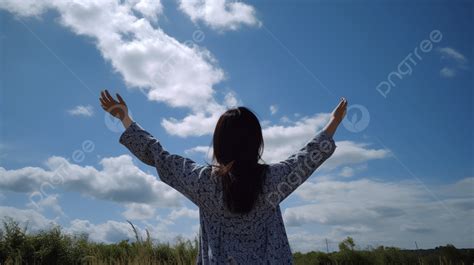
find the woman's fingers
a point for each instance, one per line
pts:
(104, 97)
(341, 104)
(105, 101)
(340, 110)
(112, 106)
(344, 108)
(102, 102)
(120, 99)
(109, 97)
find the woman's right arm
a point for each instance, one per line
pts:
(142, 142)
(289, 174)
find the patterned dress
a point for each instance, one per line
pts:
(257, 237)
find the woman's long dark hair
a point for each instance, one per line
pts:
(238, 147)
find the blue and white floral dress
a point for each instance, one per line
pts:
(257, 237)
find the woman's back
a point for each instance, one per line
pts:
(255, 237)
(240, 216)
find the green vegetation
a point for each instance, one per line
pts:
(347, 254)
(55, 247)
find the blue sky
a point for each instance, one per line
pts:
(404, 175)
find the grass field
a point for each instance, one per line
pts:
(55, 247)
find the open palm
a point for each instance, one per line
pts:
(118, 109)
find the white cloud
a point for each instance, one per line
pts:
(372, 210)
(199, 149)
(48, 202)
(201, 122)
(148, 59)
(351, 153)
(265, 123)
(285, 119)
(119, 180)
(231, 100)
(165, 69)
(303, 241)
(80, 110)
(447, 72)
(347, 172)
(139, 211)
(35, 220)
(281, 141)
(148, 8)
(452, 54)
(463, 187)
(206, 151)
(113, 231)
(183, 213)
(195, 124)
(110, 231)
(26, 8)
(273, 109)
(454, 59)
(362, 191)
(220, 14)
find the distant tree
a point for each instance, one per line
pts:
(347, 244)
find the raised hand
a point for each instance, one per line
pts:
(340, 111)
(336, 117)
(118, 109)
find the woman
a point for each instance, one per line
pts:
(238, 197)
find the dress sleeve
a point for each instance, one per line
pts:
(181, 173)
(289, 174)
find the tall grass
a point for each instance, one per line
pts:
(55, 247)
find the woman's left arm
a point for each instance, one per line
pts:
(181, 173)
